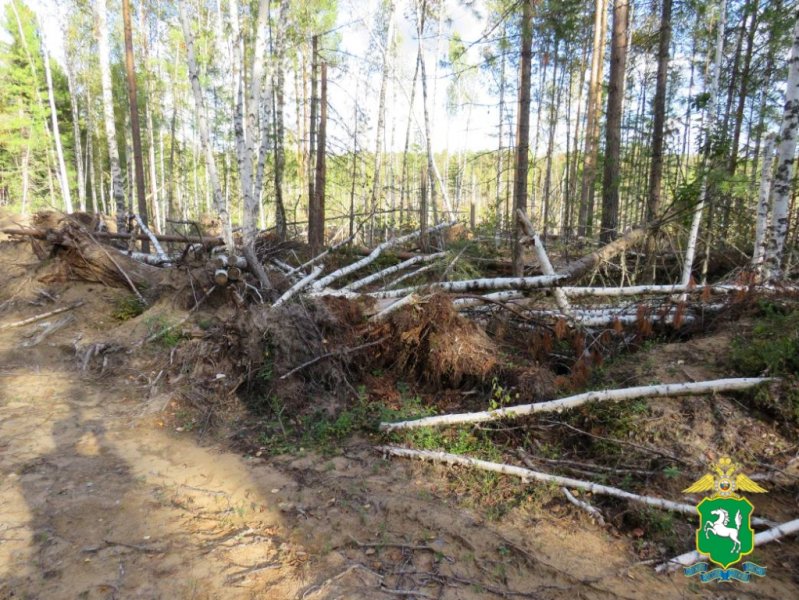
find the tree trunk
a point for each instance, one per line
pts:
(522, 136)
(280, 130)
(312, 124)
(62, 167)
(134, 120)
(218, 199)
(381, 118)
(611, 177)
(73, 100)
(659, 108)
(104, 52)
(316, 218)
(786, 151)
(592, 118)
(690, 251)
(762, 222)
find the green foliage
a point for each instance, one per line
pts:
(127, 308)
(166, 336)
(773, 346)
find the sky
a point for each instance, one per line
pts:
(463, 130)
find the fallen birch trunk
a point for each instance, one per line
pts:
(56, 236)
(394, 307)
(222, 261)
(299, 286)
(764, 537)
(528, 475)
(158, 249)
(41, 316)
(471, 285)
(344, 271)
(164, 260)
(543, 260)
(355, 285)
(633, 393)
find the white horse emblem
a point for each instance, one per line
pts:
(719, 527)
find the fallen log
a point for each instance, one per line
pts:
(543, 260)
(41, 316)
(393, 269)
(633, 393)
(344, 271)
(299, 286)
(764, 537)
(472, 285)
(581, 266)
(527, 475)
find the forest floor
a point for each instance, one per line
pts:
(109, 492)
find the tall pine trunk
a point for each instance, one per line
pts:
(316, 218)
(592, 120)
(611, 177)
(659, 108)
(522, 136)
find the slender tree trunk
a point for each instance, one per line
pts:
(404, 183)
(280, 131)
(712, 107)
(554, 101)
(381, 119)
(592, 120)
(312, 123)
(659, 108)
(62, 166)
(73, 99)
(786, 153)
(134, 120)
(522, 136)
(500, 141)
(104, 55)
(218, 199)
(742, 96)
(762, 223)
(316, 221)
(25, 178)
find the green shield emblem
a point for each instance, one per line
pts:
(725, 533)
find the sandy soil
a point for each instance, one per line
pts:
(101, 498)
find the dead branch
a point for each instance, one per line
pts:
(527, 475)
(329, 354)
(41, 316)
(49, 330)
(583, 505)
(633, 393)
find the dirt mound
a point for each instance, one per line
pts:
(433, 342)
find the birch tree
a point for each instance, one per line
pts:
(104, 57)
(202, 124)
(62, 166)
(786, 155)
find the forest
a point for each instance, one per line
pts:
(256, 255)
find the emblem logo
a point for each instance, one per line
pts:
(725, 534)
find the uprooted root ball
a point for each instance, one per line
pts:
(434, 343)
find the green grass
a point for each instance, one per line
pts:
(128, 307)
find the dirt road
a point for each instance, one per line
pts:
(100, 498)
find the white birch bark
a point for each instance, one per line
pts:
(645, 391)
(543, 260)
(690, 251)
(355, 285)
(381, 116)
(462, 303)
(472, 285)
(62, 166)
(73, 99)
(104, 52)
(528, 475)
(299, 286)
(786, 154)
(202, 124)
(344, 271)
(761, 225)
